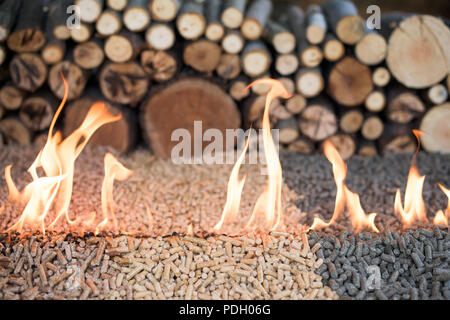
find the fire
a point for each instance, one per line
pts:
(114, 170)
(234, 192)
(414, 209)
(53, 191)
(344, 197)
(441, 218)
(269, 202)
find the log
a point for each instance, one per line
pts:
(37, 110)
(351, 121)
(164, 10)
(123, 47)
(288, 84)
(309, 82)
(89, 10)
(214, 28)
(435, 95)
(15, 132)
(54, 50)
(309, 55)
(238, 89)
(367, 148)
(436, 129)
(229, 66)
(397, 138)
(316, 24)
(350, 82)
(136, 16)
(256, 59)
(253, 109)
(28, 34)
(117, 5)
(286, 64)
(381, 77)
(160, 36)
(302, 145)
(318, 121)
(2, 54)
(120, 135)
(282, 40)
(159, 65)
(123, 83)
(11, 97)
(419, 59)
(344, 143)
(57, 18)
(343, 18)
(233, 13)
(256, 18)
(281, 113)
(375, 101)
(28, 71)
(288, 130)
(372, 128)
(82, 33)
(403, 105)
(296, 104)
(89, 55)
(109, 23)
(191, 22)
(333, 48)
(194, 99)
(202, 55)
(74, 75)
(371, 49)
(261, 88)
(233, 42)
(9, 10)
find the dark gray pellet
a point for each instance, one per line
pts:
(417, 260)
(388, 258)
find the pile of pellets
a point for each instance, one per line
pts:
(275, 266)
(400, 266)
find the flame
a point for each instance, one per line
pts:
(414, 209)
(57, 160)
(441, 218)
(234, 192)
(269, 202)
(344, 197)
(114, 170)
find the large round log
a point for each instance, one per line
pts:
(419, 51)
(436, 128)
(178, 105)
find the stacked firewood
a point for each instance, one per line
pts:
(363, 89)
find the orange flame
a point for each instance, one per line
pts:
(344, 197)
(57, 160)
(441, 218)
(234, 192)
(414, 209)
(269, 202)
(114, 170)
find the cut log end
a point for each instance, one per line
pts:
(302, 146)
(52, 54)
(286, 64)
(195, 99)
(163, 10)
(232, 18)
(437, 94)
(404, 107)
(26, 40)
(74, 75)
(309, 82)
(61, 32)
(229, 66)
(15, 132)
(311, 56)
(333, 50)
(160, 37)
(288, 130)
(344, 144)
(381, 77)
(238, 90)
(28, 71)
(233, 42)
(117, 5)
(36, 112)
(159, 65)
(88, 55)
(214, 31)
(108, 23)
(436, 127)
(118, 48)
(317, 122)
(251, 29)
(350, 29)
(82, 33)
(284, 42)
(136, 19)
(202, 55)
(11, 97)
(372, 128)
(372, 49)
(89, 10)
(315, 34)
(375, 101)
(351, 121)
(191, 25)
(296, 104)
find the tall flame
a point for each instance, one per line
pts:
(57, 160)
(234, 192)
(344, 197)
(414, 209)
(269, 202)
(441, 217)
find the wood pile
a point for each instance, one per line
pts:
(166, 63)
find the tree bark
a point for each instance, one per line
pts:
(9, 9)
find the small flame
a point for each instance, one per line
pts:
(344, 197)
(441, 218)
(114, 170)
(234, 192)
(269, 202)
(57, 160)
(414, 209)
